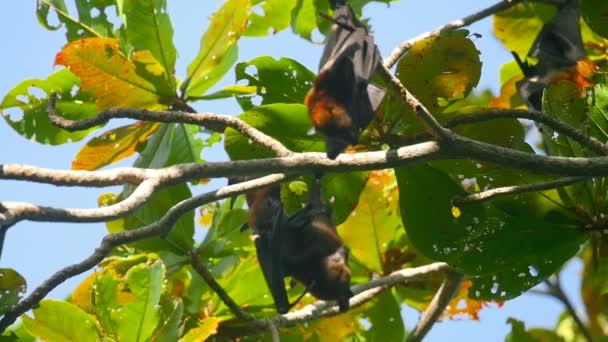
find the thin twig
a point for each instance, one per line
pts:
(439, 133)
(555, 290)
(515, 189)
(442, 298)
(468, 20)
(215, 286)
(216, 122)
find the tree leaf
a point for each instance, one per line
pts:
(276, 17)
(86, 25)
(170, 319)
(106, 302)
(378, 211)
(595, 13)
(509, 253)
(108, 74)
(12, 288)
(148, 27)
(207, 327)
(25, 108)
(444, 67)
(276, 81)
(60, 321)
(137, 321)
(288, 123)
(113, 146)
(518, 26)
(218, 50)
(385, 319)
(520, 334)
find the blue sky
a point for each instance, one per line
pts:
(37, 250)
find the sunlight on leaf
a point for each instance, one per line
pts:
(113, 146)
(206, 327)
(60, 321)
(218, 50)
(107, 73)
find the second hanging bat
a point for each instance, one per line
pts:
(304, 246)
(342, 101)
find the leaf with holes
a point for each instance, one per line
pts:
(276, 17)
(108, 74)
(25, 108)
(12, 287)
(113, 146)
(218, 51)
(508, 253)
(276, 81)
(92, 18)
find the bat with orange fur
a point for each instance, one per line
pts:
(342, 101)
(560, 53)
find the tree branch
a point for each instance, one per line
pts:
(555, 290)
(216, 122)
(492, 114)
(513, 190)
(158, 228)
(468, 20)
(442, 298)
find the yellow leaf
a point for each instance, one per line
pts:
(107, 73)
(207, 327)
(81, 296)
(462, 305)
(112, 146)
(207, 215)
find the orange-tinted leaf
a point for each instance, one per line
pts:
(461, 305)
(113, 146)
(107, 73)
(508, 97)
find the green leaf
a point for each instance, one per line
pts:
(105, 302)
(85, 25)
(595, 13)
(598, 111)
(518, 26)
(340, 192)
(510, 253)
(437, 71)
(12, 287)
(276, 17)
(218, 50)
(207, 327)
(25, 108)
(148, 27)
(61, 321)
(385, 318)
(305, 18)
(170, 319)
(137, 321)
(288, 123)
(520, 334)
(282, 81)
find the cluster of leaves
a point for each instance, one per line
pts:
(390, 219)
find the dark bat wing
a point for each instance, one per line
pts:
(560, 43)
(269, 246)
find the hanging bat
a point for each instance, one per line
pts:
(342, 101)
(560, 53)
(304, 246)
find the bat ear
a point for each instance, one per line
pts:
(376, 94)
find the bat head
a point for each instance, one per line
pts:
(333, 282)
